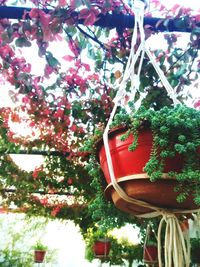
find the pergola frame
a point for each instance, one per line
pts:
(118, 21)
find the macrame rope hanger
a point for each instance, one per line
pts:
(177, 249)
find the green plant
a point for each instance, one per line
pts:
(102, 211)
(93, 234)
(130, 252)
(15, 258)
(176, 131)
(39, 246)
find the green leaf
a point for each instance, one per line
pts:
(51, 60)
(22, 42)
(87, 3)
(196, 30)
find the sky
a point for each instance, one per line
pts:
(67, 237)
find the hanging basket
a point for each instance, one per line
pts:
(39, 256)
(129, 172)
(101, 248)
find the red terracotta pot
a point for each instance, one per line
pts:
(129, 172)
(150, 255)
(39, 255)
(184, 225)
(101, 248)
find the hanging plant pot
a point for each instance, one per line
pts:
(150, 255)
(129, 172)
(39, 256)
(101, 248)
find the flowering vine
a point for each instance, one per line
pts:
(74, 92)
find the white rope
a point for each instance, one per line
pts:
(176, 249)
(160, 73)
(148, 237)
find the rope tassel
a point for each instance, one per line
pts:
(176, 247)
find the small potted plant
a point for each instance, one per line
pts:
(101, 247)
(39, 252)
(97, 244)
(150, 255)
(150, 252)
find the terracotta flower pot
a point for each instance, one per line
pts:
(101, 248)
(150, 255)
(129, 172)
(39, 255)
(184, 225)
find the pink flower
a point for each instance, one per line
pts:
(73, 128)
(34, 13)
(89, 15)
(70, 181)
(59, 113)
(15, 117)
(197, 104)
(32, 124)
(68, 58)
(62, 3)
(55, 211)
(44, 201)
(6, 51)
(36, 172)
(26, 100)
(48, 71)
(197, 18)
(86, 66)
(74, 47)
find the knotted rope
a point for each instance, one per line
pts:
(176, 247)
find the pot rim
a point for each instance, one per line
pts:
(145, 125)
(103, 239)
